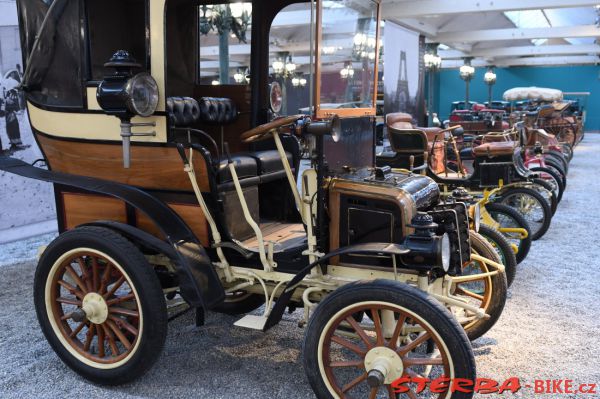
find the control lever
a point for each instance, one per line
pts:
(411, 163)
(227, 153)
(182, 154)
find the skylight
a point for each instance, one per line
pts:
(529, 19)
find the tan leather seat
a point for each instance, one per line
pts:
(399, 120)
(494, 149)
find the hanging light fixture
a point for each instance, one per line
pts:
(290, 67)
(347, 72)
(278, 66)
(299, 80)
(239, 76)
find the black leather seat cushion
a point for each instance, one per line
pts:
(182, 111)
(269, 161)
(217, 110)
(245, 167)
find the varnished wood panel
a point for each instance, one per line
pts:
(154, 167)
(85, 208)
(192, 215)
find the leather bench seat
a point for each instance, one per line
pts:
(245, 167)
(494, 149)
(269, 165)
(252, 168)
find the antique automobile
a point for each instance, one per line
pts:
(496, 164)
(178, 177)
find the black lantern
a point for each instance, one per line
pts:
(126, 95)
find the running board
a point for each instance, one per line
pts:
(252, 322)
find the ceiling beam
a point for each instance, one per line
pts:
(486, 35)
(499, 52)
(527, 61)
(421, 8)
(421, 27)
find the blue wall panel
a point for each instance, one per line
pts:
(585, 78)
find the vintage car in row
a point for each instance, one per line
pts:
(176, 178)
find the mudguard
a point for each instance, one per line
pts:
(199, 283)
(370, 248)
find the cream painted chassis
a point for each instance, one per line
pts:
(316, 285)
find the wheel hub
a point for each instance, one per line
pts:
(383, 366)
(95, 308)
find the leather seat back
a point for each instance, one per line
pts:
(218, 110)
(182, 111)
(399, 120)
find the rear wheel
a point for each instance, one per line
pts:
(509, 218)
(410, 334)
(100, 305)
(532, 206)
(503, 249)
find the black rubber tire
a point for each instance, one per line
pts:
(499, 289)
(536, 234)
(410, 298)
(556, 177)
(559, 158)
(506, 211)
(241, 306)
(142, 276)
(552, 201)
(504, 249)
(552, 163)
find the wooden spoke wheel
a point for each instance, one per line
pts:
(487, 293)
(100, 305)
(404, 333)
(94, 307)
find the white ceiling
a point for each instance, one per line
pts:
(504, 32)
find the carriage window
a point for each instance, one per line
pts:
(54, 72)
(224, 43)
(289, 60)
(110, 30)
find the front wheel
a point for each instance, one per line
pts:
(100, 305)
(532, 206)
(407, 334)
(503, 249)
(509, 218)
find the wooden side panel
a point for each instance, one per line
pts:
(153, 167)
(85, 208)
(192, 215)
(79, 208)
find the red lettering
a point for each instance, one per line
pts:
(485, 385)
(421, 383)
(440, 385)
(462, 385)
(538, 386)
(569, 386)
(512, 384)
(398, 385)
(556, 386)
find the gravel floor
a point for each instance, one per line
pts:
(550, 328)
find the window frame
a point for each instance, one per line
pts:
(343, 112)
